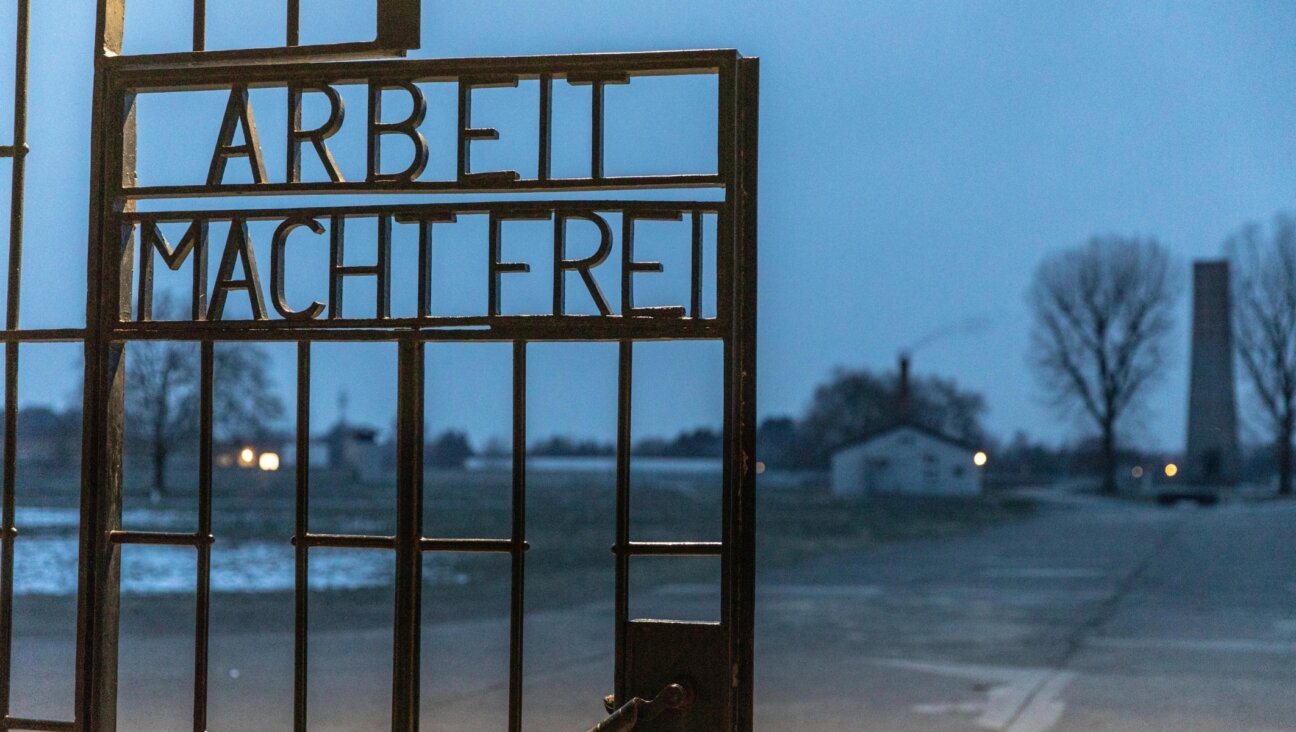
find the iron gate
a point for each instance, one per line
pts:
(125, 241)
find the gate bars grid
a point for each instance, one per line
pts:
(12, 336)
(109, 329)
(397, 32)
(16, 150)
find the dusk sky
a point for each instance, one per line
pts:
(917, 162)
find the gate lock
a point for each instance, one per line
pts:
(674, 698)
(675, 679)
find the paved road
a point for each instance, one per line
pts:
(1089, 616)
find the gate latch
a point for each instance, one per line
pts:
(673, 698)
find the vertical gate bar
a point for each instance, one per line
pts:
(518, 551)
(293, 36)
(726, 143)
(302, 553)
(199, 25)
(726, 288)
(203, 592)
(695, 284)
(19, 170)
(98, 597)
(546, 127)
(409, 531)
(625, 371)
(10, 532)
(744, 504)
(596, 129)
(18, 175)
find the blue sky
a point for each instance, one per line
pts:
(917, 161)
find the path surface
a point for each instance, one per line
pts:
(1089, 616)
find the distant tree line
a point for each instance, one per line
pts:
(1103, 314)
(48, 436)
(1263, 267)
(453, 448)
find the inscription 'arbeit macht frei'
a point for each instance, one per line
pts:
(239, 274)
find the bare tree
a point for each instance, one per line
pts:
(244, 402)
(1102, 313)
(162, 393)
(1263, 265)
(161, 377)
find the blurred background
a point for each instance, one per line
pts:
(1027, 376)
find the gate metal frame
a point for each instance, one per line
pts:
(110, 327)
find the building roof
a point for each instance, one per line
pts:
(915, 426)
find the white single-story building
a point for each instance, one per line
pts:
(910, 459)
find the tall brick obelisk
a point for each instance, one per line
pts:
(1212, 455)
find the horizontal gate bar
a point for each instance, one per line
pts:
(427, 210)
(670, 548)
(347, 541)
(36, 725)
(481, 546)
(647, 63)
(486, 185)
(160, 538)
(503, 328)
(42, 334)
(362, 541)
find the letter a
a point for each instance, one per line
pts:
(238, 246)
(238, 113)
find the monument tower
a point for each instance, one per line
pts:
(1212, 454)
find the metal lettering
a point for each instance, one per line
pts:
(597, 82)
(629, 266)
(338, 271)
(563, 265)
(467, 133)
(317, 136)
(407, 127)
(238, 113)
(497, 267)
(425, 223)
(238, 245)
(152, 239)
(277, 247)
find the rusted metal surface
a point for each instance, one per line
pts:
(123, 244)
(660, 653)
(675, 698)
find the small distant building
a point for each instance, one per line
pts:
(352, 448)
(909, 459)
(47, 437)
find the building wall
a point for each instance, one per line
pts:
(905, 461)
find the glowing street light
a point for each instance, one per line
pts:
(269, 461)
(247, 457)
(980, 459)
(1171, 470)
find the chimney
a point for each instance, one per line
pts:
(902, 391)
